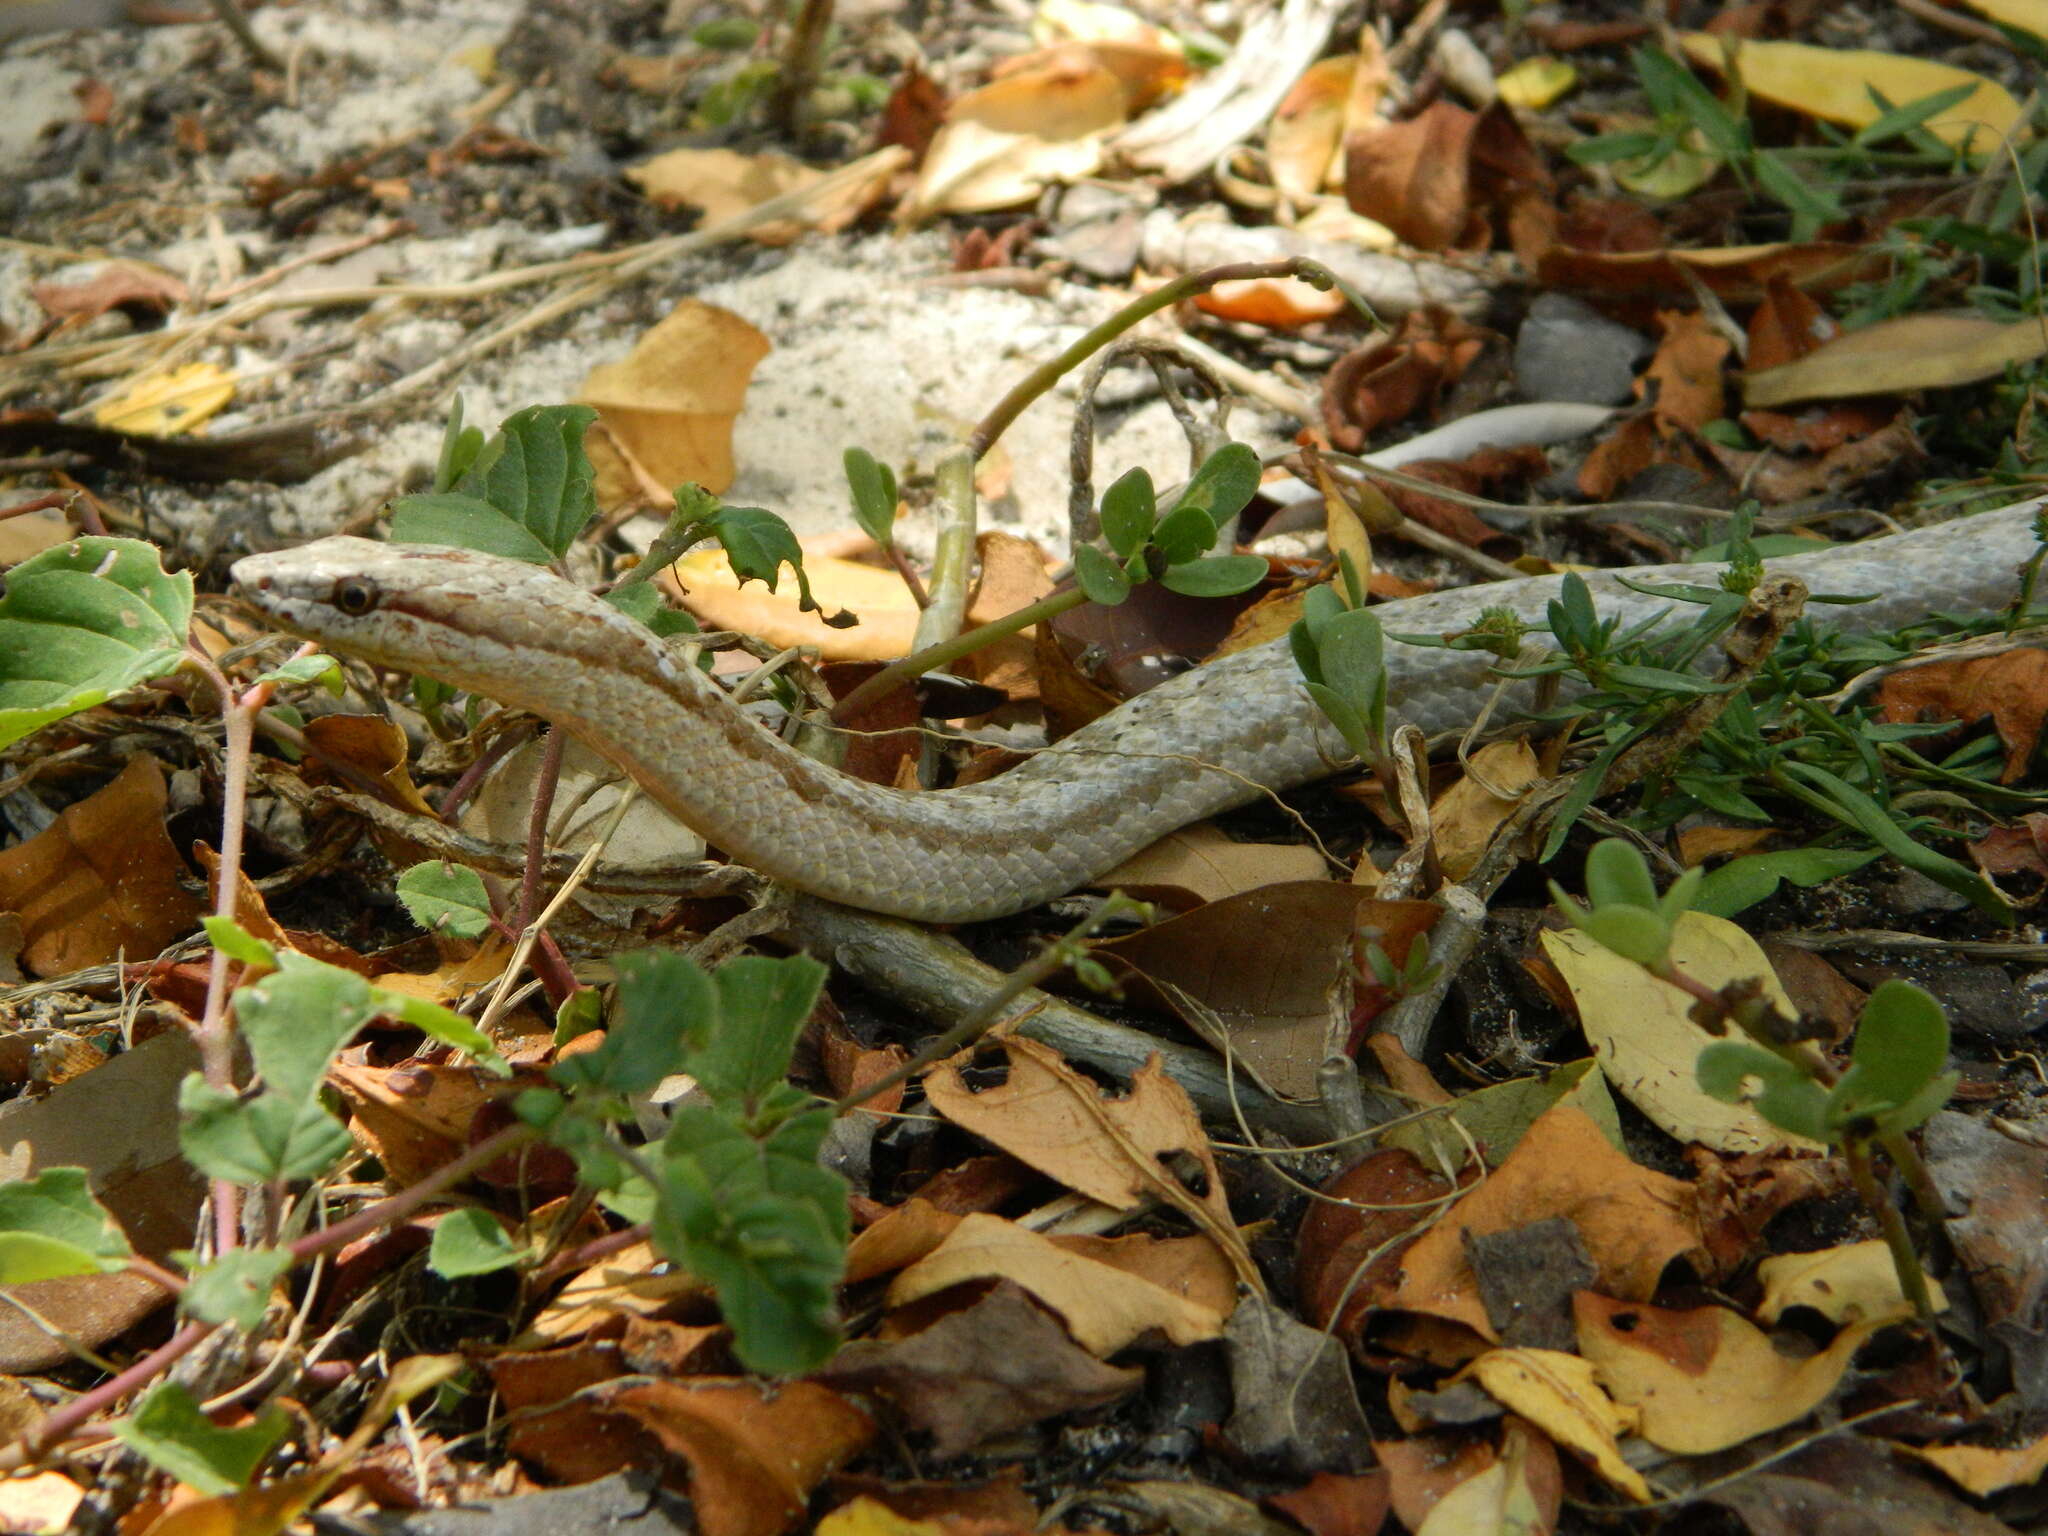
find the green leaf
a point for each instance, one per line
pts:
(525, 494)
(468, 1241)
(874, 494)
(459, 447)
(763, 1224)
(757, 542)
(1857, 809)
(170, 1431)
(83, 622)
(642, 600)
(1811, 204)
(1216, 576)
(1634, 933)
(1350, 721)
(666, 1003)
(462, 521)
(265, 1138)
(319, 668)
(236, 1287)
(1890, 124)
(536, 473)
(1100, 577)
(50, 1226)
(446, 898)
(1785, 1096)
(1616, 872)
(1224, 485)
(1572, 616)
(238, 943)
(1673, 88)
(1742, 883)
(581, 1012)
(1659, 679)
(294, 1020)
(444, 1025)
(1901, 1046)
(1184, 534)
(1129, 509)
(762, 1006)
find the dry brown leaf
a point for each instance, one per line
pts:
(1465, 817)
(1104, 1308)
(898, 1239)
(119, 284)
(411, 1118)
(102, 881)
(1982, 1469)
(2010, 689)
(989, 1369)
(1200, 863)
(887, 612)
(1308, 125)
(1273, 971)
(1415, 176)
(1006, 142)
(725, 183)
(670, 403)
(1114, 1151)
(1632, 1221)
(755, 1449)
(1391, 377)
(1705, 1379)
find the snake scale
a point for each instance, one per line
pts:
(1212, 738)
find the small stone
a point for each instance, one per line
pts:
(1567, 350)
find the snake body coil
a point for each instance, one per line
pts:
(1212, 738)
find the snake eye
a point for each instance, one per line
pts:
(355, 595)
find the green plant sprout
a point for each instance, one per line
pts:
(1172, 549)
(1693, 133)
(1775, 739)
(1896, 1077)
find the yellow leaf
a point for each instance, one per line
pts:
(1836, 84)
(1705, 1379)
(167, 404)
(1104, 1308)
(1006, 142)
(1927, 351)
(2026, 15)
(1642, 1032)
(1982, 1469)
(670, 403)
(870, 1517)
(1561, 1394)
(1535, 83)
(1855, 1283)
(887, 612)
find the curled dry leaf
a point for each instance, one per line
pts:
(725, 183)
(1006, 142)
(1855, 1283)
(1104, 1308)
(755, 1449)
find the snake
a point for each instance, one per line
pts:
(1203, 741)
